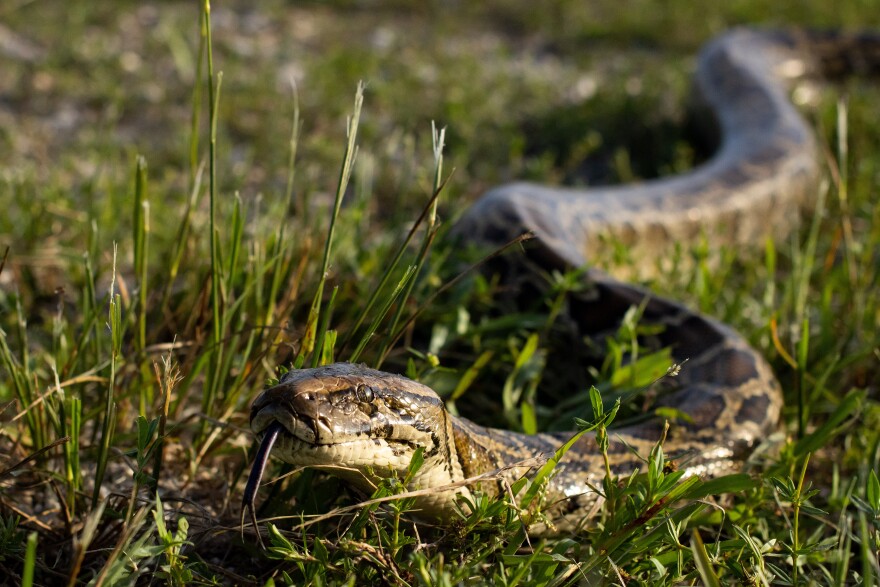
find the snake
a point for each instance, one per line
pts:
(367, 424)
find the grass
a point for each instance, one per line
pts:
(172, 244)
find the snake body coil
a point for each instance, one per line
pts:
(765, 170)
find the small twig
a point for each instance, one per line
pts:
(29, 458)
(497, 474)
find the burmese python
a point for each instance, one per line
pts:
(766, 168)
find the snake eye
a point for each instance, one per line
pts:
(363, 393)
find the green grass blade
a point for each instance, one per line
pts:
(30, 561)
(108, 425)
(141, 221)
(701, 559)
(342, 185)
(213, 101)
(823, 434)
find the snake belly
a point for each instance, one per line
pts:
(368, 423)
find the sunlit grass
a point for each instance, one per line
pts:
(138, 318)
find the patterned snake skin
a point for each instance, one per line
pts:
(765, 170)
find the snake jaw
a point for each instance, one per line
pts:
(365, 423)
(305, 416)
(343, 403)
(349, 416)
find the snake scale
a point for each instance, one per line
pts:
(765, 170)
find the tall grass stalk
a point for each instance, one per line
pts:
(209, 395)
(183, 232)
(141, 225)
(196, 104)
(70, 426)
(30, 561)
(348, 159)
(293, 144)
(402, 285)
(109, 422)
(796, 505)
(438, 140)
(141, 240)
(213, 99)
(843, 189)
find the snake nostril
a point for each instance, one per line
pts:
(322, 423)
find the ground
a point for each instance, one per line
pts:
(110, 191)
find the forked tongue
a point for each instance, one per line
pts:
(253, 483)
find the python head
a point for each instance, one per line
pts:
(367, 423)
